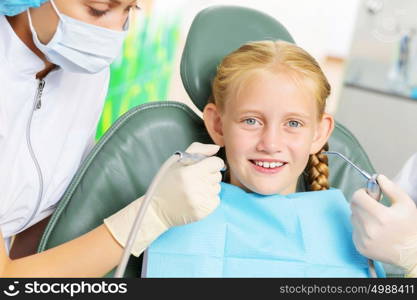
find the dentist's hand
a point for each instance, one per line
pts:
(387, 234)
(183, 195)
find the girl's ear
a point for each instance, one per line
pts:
(323, 132)
(213, 122)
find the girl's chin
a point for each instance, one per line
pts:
(264, 186)
(263, 189)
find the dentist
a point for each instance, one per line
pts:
(54, 74)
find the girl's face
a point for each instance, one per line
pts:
(269, 130)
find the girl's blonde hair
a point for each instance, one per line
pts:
(277, 57)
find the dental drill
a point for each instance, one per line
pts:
(372, 188)
(182, 157)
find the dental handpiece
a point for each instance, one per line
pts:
(182, 157)
(373, 190)
(189, 158)
(192, 158)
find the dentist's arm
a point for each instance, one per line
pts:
(91, 255)
(387, 234)
(184, 194)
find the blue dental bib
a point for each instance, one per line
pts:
(250, 235)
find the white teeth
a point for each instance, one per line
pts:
(269, 165)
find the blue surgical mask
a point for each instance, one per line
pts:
(81, 47)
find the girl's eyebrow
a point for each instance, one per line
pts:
(254, 111)
(298, 114)
(248, 111)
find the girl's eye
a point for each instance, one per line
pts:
(294, 124)
(250, 121)
(97, 13)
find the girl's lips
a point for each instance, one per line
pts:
(269, 160)
(268, 170)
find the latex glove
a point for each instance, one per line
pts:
(387, 234)
(14, 7)
(183, 195)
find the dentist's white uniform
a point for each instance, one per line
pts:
(62, 130)
(407, 177)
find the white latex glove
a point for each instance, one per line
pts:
(407, 177)
(387, 234)
(183, 195)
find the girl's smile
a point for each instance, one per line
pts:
(268, 166)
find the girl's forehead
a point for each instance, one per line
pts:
(264, 80)
(266, 88)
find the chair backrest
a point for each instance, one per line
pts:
(122, 164)
(215, 32)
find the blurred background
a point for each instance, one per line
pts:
(367, 49)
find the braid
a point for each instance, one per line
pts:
(318, 171)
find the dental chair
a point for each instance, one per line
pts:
(123, 162)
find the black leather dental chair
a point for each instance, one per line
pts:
(123, 162)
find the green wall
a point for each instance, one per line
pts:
(143, 72)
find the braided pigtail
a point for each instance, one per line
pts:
(318, 171)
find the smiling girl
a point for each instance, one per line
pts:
(268, 111)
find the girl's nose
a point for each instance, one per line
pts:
(271, 140)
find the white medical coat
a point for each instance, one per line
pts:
(407, 177)
(62, 130)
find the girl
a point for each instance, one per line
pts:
(268, 112)
(268, 106)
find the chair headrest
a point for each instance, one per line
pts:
(215, 32)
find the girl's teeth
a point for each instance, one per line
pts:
(268, 165)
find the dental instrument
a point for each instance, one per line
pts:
(182, 157)
(372, 188)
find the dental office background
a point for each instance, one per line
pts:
(367, 48)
